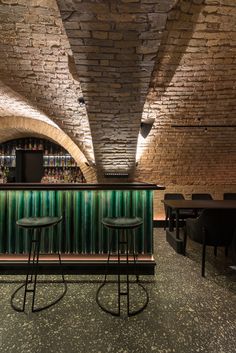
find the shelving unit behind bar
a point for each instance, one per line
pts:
(81, 237)
(58, 164)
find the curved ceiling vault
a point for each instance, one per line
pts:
(114, 44)
(177, 56)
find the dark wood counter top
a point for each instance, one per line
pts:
(114, 186)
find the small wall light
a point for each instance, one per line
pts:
(81, 101)
(146, 127)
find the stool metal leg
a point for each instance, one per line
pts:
(123, 239)
(35, 262)
(32, 274)
(28, 270)
(118, 294)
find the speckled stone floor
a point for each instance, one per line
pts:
(186, 313)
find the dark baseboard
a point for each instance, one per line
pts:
(80, 267)
(158, 223)
(161, 223)
(176, 244)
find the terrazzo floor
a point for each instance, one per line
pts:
(186, 313)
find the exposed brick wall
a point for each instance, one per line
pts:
(34, 63)
(177, 57)
(193, 83)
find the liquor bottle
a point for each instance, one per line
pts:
(8, 150)
(26, 145)
(46, 149)
(40, 147)
(35, 147)
(13, 151)
(45, 161)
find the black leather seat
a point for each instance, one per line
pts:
(214, 227)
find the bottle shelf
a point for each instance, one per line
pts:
(61, 166)
(58, 165)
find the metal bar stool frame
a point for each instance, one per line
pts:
(33, 262)
(124, 234)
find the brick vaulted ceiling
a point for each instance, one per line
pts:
(114, 45)
(173, 60)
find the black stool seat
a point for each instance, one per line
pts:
(38, 222)
(122, 222)
(35, 225)
(124, 228)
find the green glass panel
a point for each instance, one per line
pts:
(81, 230)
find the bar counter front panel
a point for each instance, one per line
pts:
(82, 206)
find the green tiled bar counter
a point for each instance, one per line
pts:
(81, 238)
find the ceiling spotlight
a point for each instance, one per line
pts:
(81, 101)
(146, 126)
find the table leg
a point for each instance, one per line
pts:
(170, 217)
(177, 224)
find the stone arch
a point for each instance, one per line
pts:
(17, 127)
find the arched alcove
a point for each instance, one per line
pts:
(17, 127)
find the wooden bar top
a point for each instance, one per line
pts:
(84, 186)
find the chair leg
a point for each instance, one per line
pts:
(185, 241)
(203, 259)
(166, 222)
(215, 250)
(226, 251)
(203, 252)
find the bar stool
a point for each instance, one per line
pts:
(35, 225)
(125, 229)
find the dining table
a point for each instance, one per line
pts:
(173, 236)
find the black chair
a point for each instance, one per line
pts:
(229, 196)
(202, 197)
(171, 215)
(214, 227)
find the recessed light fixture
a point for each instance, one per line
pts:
(146, 127)
(116, 175)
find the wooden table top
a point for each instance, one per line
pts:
(200, 204)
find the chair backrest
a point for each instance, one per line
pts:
(219, 225)
(172, 196)
(229, 196)
(202, 197)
